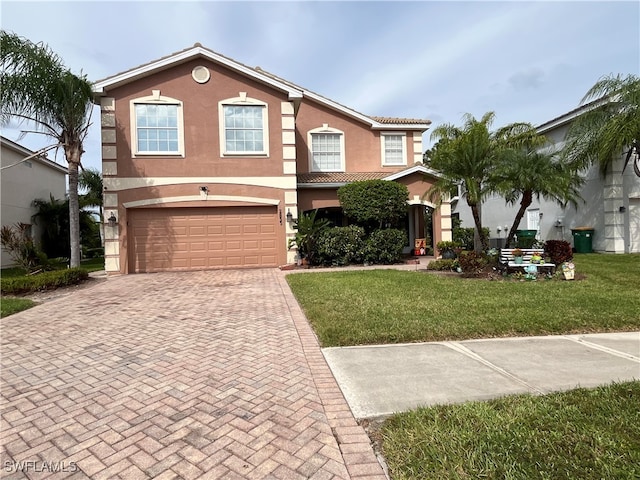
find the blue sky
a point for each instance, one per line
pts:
(527, 61)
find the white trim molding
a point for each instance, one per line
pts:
(199, 198)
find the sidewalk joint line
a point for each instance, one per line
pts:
(602, 348)
(465, 351)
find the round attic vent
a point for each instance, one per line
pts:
(201, 74)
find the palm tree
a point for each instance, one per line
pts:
(38, 89)
(90, 180)
(525, 174)
(610, 126)
(466, 156)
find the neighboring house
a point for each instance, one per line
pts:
(25, 181)
(207, 162)
(610, 205)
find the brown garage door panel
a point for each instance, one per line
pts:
(195, 238)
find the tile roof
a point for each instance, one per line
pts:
(402, 121)
(339, 177)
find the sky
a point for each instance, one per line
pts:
(528, 61)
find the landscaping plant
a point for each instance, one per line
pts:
(17, 242)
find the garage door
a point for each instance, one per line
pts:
(197, 238)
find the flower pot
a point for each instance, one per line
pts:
(517, 260)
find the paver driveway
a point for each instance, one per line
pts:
(174, 375)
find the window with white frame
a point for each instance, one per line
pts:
(244, 126)
(326, 149)
(394, 149)
(157, 125)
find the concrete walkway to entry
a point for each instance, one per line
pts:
(190, 375)
(381, 380)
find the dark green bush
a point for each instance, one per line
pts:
(374, 204)
(443, 265)
(385, 246)
(340, 246)
(42, 281)
(464, 236)
(471, 262)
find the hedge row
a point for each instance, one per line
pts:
(339, 246)
(42, 281)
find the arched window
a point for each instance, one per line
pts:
(326, 149)
(244, 128)
(157, 125)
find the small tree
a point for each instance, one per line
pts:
(309, 228)
(374, 204)
(17, 242)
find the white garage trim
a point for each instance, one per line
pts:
(118, 184)
(200, 198)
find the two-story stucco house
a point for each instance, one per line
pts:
(610, 205)
(207, 162)
(23, 181)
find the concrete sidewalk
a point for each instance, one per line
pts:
(381, 380)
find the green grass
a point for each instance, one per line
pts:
(579, 434)
(9, 306)
(392, 306)
(14, 281)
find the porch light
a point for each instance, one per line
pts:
(290, 216)
(113, 221)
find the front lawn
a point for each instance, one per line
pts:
(585, 434)
(391, 306)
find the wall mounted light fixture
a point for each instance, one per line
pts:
(622, 209)
(290, 218)
(204, 189)
(113, 221)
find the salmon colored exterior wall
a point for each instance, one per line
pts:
(363, 149)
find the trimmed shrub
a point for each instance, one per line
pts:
(471, 262)
(340, 246)
(443, 265)
(385, 246)
(464, 236)
(42, 281)
(374, 203)
(559, 251)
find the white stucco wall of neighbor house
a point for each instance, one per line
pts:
(24, 182)
(610, 205)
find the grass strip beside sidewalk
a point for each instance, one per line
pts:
(582, 433)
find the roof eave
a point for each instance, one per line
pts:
(412, 170)
(123, 78)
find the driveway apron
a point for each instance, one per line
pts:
(210, 374)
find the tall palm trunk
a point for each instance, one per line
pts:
(73, 153)
(527, 200)
(475, 211)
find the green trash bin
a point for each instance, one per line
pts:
(526, 238)
(582, 239)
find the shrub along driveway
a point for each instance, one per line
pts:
(193, 375)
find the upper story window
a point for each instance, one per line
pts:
(157, 125)
(394, 149)
(243, 126)
(326, 149)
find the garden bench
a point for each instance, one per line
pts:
(507, 260)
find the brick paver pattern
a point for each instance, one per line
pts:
(187, 375)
